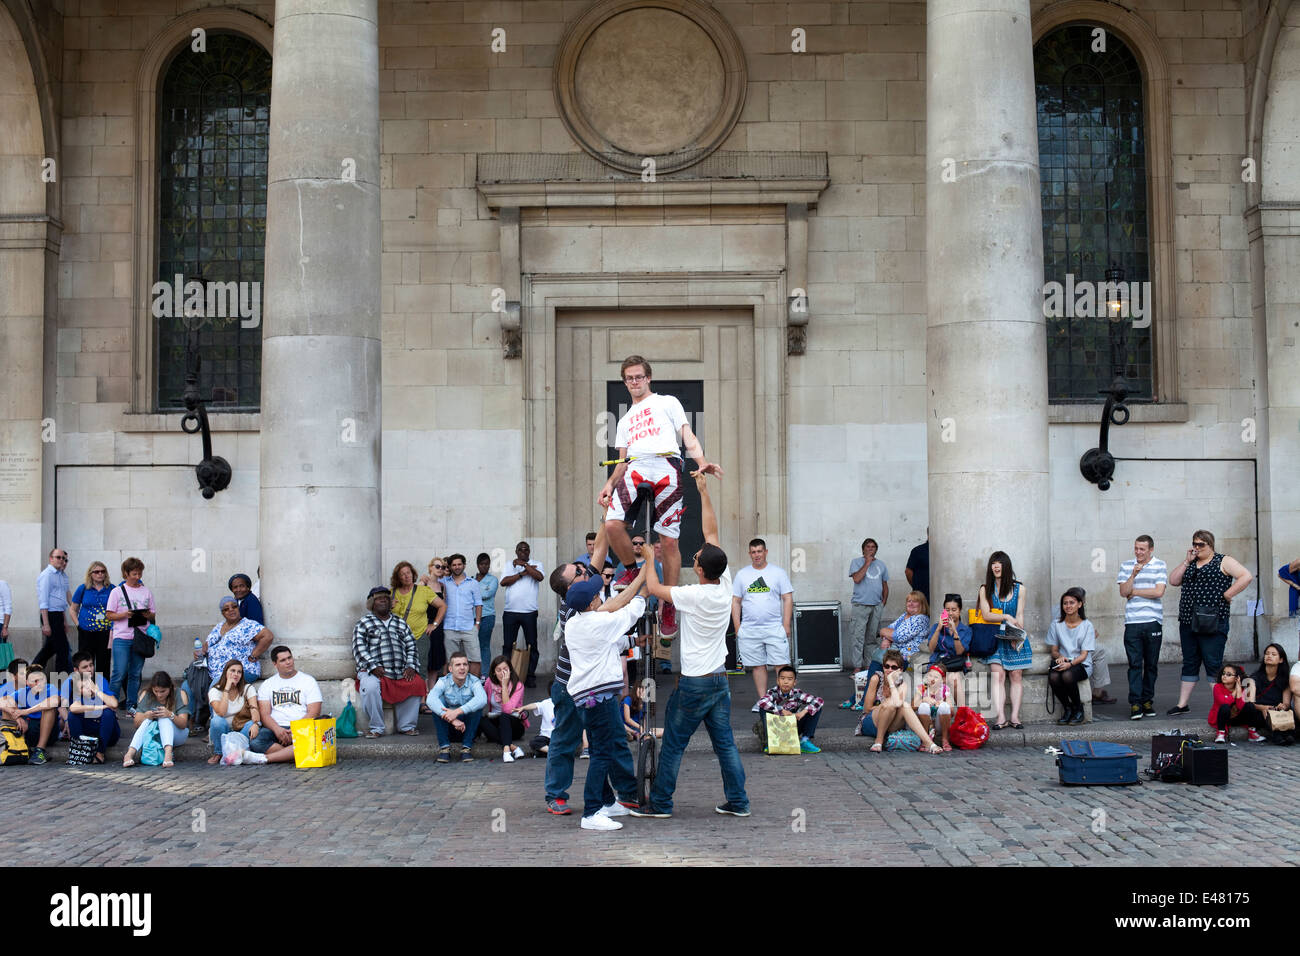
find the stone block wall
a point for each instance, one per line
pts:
(453, 419)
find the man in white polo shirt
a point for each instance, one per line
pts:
(702, 695)
(1142, 584)
(520, 609)
(762, 608)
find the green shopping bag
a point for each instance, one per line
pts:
(346, 725)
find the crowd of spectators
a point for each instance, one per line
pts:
(421, 646)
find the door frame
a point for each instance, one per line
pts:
(763, 295)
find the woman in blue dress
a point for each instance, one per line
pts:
(89, 604)
(1000, 601)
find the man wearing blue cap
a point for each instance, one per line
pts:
(596, 635)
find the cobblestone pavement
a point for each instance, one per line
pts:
(999, 806)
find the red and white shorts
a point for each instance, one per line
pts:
(665, 475)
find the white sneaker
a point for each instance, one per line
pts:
(615, 809)
(755, 709)
(598, 821)
(250, 757)
(507, 757)
(518, 753)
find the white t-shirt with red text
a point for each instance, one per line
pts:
(651, 426)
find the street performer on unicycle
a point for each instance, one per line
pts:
(650, 439)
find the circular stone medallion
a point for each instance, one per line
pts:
(650, 78)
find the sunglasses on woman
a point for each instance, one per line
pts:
(892, 667)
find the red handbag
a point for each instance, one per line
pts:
(394, 691)
(969, 730)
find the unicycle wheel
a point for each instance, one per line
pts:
(646, 764)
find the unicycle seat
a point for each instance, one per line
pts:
(645, 495)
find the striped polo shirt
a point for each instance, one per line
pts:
(1144, 610)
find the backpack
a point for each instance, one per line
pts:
(13, 745)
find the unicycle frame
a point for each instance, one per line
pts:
(646, 748)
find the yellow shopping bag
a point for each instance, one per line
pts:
(314, 743)
(782, 734)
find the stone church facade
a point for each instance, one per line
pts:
(827, 218)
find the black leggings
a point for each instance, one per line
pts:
(502, 729)
(1250, 716)
(1065, 685)
(437, 651)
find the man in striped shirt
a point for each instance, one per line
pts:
(1142, 583)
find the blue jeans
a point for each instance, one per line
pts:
(127, 665)
(697, 699)
(219, 725)
(1201, 649)
(485, 639)
(105, 727)
(1142, 648)
(259, 744)
(447, 733)
(610, 758)
(565, 739)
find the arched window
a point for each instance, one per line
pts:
(1096, 249)
(214, 113)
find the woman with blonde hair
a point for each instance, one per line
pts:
(910, 629)
(88, 604)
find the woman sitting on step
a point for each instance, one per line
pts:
(165, 706)
(888, 707)
(1070, 640)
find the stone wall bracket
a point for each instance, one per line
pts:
(1097, 464)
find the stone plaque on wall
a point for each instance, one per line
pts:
(20, 471)
(660, 80)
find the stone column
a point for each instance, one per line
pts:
(29, 249)
(986, 368)
(27, 426)
(320, 441)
